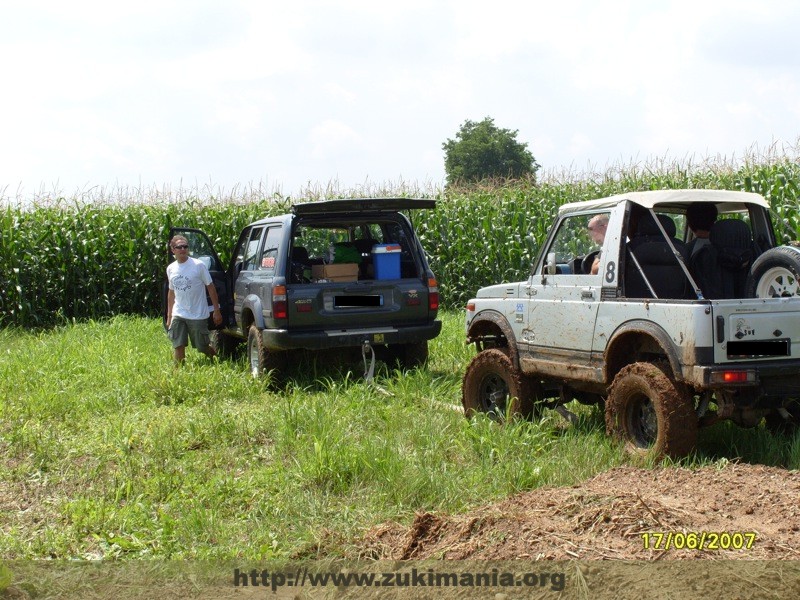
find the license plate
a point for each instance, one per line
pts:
(360, 301)
(756, 349)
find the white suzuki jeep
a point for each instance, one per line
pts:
(670, 331)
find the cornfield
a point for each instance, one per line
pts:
(62, 260)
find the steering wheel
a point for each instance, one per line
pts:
(588, 261)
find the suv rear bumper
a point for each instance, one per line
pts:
(282, 339)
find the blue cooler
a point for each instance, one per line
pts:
(386, 260)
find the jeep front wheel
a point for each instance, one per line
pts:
(493, 386)
(787, 423)
(651, 412)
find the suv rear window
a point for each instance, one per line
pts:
(333, 241)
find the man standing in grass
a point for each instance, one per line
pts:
(187, 310)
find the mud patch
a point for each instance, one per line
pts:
(616, 515)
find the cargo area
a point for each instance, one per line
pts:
(362, 272)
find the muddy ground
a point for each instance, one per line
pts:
(582, 542)
(616, 515)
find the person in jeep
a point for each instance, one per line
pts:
(700, 216)
(597, 231)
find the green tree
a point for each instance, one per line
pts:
(482, 150)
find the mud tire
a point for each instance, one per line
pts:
(651, 412)
(260, 359)
(493, 386)
(775, 274)
(224, 345)
(778, 425)
(410, 356)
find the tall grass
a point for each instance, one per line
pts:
(102, 254)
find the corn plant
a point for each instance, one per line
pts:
(76, 259)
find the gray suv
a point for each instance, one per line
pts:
(331, 274)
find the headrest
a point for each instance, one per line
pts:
(299, 254)
(647, 226)
(730, 233)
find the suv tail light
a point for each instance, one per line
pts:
(433, 294)
(279, 305)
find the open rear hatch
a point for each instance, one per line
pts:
(358, 264)
(330, 207)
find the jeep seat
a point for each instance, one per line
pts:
(656, 259)
(722, 266)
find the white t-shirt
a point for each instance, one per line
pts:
(189, 281)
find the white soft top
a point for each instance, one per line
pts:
(671, 198)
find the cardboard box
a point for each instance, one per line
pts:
(340, 272)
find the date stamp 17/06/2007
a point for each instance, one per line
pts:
(698, 540)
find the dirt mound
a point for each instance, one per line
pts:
(741, 511)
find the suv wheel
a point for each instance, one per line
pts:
(492, 385)
(259, 358)
(650, 411)
(223, 344)
(412, 356)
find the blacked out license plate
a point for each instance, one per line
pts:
(358, 301)
(755, 349)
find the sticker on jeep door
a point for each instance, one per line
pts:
(611, 271)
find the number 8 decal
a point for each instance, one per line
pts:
(611, 272)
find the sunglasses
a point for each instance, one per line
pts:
(181, 247)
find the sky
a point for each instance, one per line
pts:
(301, 93)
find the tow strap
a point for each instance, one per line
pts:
(369, 371)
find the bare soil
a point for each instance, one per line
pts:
(614, 516)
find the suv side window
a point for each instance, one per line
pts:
(251, 250)
(269, 255)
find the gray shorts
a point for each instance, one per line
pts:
(182, 330)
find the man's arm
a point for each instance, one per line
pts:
(170, 303)
(212, 293)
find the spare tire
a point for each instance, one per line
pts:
(775, 274)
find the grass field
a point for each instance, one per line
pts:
(107, 450)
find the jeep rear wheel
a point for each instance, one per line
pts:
(493, 386)
(651, 412)
(260, 359)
